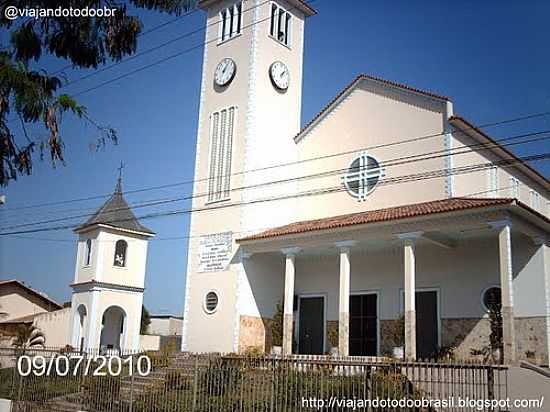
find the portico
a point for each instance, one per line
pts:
(437, 258)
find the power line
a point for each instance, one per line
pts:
(334, 189)
(271, 167)
(172, 238)
(389, 163)
(152, 49)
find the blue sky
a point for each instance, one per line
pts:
(491, 57)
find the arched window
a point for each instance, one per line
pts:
(88, 256)
(120, 253)
(362, 176)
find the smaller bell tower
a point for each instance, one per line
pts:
(109, 277)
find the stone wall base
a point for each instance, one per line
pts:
(255, 335)
(465, 334)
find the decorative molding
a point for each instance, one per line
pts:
(291, 251)
(345, 244)
(499, 224)
(410, 236)
(93, 285)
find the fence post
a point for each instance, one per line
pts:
(195, 384)
(131, 385)
(490, 383)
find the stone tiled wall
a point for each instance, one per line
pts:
(531, 338)
(469, 333)
(255, 334)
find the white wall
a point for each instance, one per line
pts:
(56, 327)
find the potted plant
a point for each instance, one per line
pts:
(396, 335)
(277, 330)
(333, 339)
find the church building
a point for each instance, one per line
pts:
(385, 208)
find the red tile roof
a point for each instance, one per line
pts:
(382, 215)
(351, 85)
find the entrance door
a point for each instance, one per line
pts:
(427, 324)
(363, 330)
(312, 325)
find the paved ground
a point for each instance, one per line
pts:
(526, 384)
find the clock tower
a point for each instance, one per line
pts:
(249, 112)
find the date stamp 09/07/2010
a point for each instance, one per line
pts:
(99, 365)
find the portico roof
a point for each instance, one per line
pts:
(396, 213)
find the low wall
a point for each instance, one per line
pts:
(5, 405)
(149, 342)
(55, 327)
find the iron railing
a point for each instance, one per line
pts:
(200, 383)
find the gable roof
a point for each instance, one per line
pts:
(45, 299)
(116, 213)
(350, 87)
(387, 215)
(469, 129)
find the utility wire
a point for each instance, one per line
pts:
(271, 167)
(172, 238)
(334, 189)
(385, 165)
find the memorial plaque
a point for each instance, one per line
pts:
(215, 252)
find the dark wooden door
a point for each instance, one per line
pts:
(427, 324)
(312, 321)
(363, 319)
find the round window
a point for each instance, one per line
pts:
(492, 298)
(362, 176)
(211, 302)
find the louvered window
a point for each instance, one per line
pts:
(221, 146)
(231, 20)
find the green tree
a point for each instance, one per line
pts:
(145, 320)
(30, 95)
(28, 336)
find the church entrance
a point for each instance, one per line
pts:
(113, 329)
(311, 337)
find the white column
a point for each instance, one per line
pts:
(410, 292)
(343, 301)
(506, 287)
(544, 249)
(93, 332)
(288, 317)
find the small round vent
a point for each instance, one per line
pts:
(211, 302)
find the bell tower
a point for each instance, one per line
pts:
(250, 106)
(109, 277)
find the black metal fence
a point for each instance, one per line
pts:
(160, 381)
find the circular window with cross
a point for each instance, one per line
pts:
(363, 175)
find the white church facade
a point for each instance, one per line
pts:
(385, 205)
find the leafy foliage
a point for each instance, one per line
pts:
(145, 320)
(31, 96)
(277, 325)
(28, 336)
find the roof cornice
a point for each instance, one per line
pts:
(469, 129)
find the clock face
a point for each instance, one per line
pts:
(225, 72)
(280, 75)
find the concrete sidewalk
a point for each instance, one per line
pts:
(527, 384)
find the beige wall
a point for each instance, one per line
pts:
(477, 184)
(165, 326)
(372, 116)
(266, 120)
(17, 303)
(56, 327)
